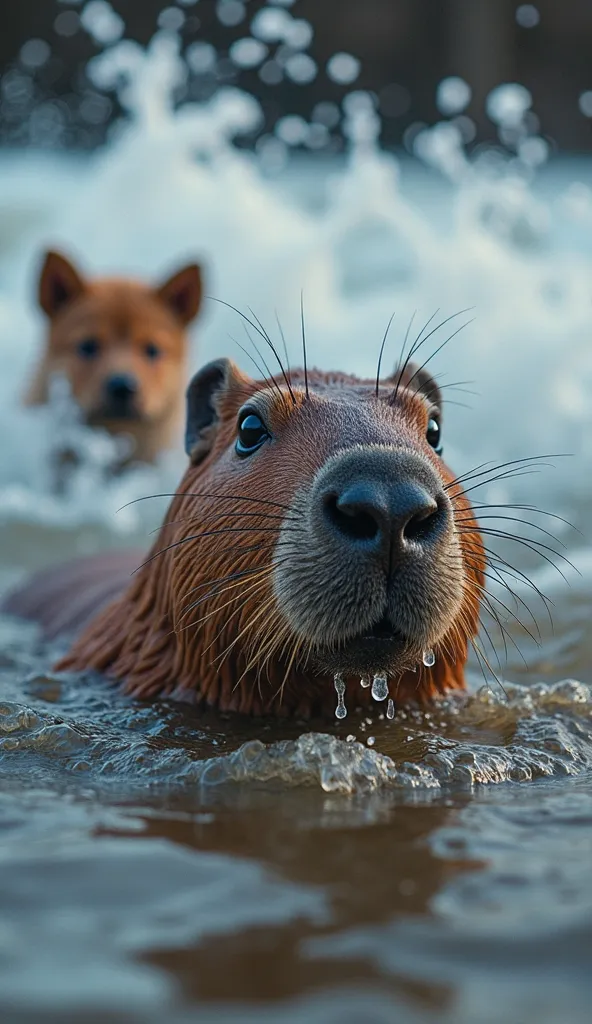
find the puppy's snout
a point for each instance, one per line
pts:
(389, 505)
(121, 390)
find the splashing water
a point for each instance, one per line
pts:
(340, 710)
(429, 658)
(380, 688)
(367, 236)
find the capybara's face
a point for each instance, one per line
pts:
(121, 345)
(324, 530)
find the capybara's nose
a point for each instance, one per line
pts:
(392, 515)
(121, 389)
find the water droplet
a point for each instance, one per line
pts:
(350, 739)
(429, 658)
(390, 708)
(371, 741)
(365, 682)
(380, 688)
(339, 681)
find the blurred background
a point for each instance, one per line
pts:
(404, 49)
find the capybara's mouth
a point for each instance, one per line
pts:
(379, 649)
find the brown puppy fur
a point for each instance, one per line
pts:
(122, 346)
(253, 597)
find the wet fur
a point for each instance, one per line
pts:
(201, 620)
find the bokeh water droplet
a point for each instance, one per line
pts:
(390, 708)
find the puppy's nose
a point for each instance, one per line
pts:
(121, 389)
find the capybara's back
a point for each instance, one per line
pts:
(63, 599)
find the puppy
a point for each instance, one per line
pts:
(122, 347)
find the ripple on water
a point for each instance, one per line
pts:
(539, 731)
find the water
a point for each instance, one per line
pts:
(380, 688)
(340, 710)
(429, 658)
(159, 864)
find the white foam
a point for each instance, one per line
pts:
(361, 238)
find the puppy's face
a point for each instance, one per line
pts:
(121, 345)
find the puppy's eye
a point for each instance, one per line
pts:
(152, 351)
(434, 435)
(252, 432)
(89, 348)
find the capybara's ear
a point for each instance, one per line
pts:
(59, 283)
(183, 293)
(203, 396)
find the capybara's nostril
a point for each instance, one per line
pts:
(121, 388)
(425, 523)
(416, 515)
(358, 513)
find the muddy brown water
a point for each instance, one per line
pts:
(162, 865)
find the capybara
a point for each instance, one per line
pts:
(317, 538)
(122, 346)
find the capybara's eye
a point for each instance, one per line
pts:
(252, 432)
(434, 435)
(89, 348)
(151, 351)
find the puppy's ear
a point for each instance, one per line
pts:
(59, 283)
(182, 293)
(204, 396)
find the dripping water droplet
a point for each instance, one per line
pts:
(380, 688)
(371, 741)
(390, 709)
(429, 658)
(365, 682)
(339, 681)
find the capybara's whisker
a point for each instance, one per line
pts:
(499, 564)
(210, 533)
(480, 653)
(381, 353)
(516, 597)
(222, 514)
(532, 543)
(257, 327)
(260, 580)
(205, 494)
(420, 343)
(268, 378)
(215, 590)
(276, 354)
(486, 468)
(304, 354)
(514, 519)
(439, 349)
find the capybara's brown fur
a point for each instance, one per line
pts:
(316, 531)
(122, 347)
